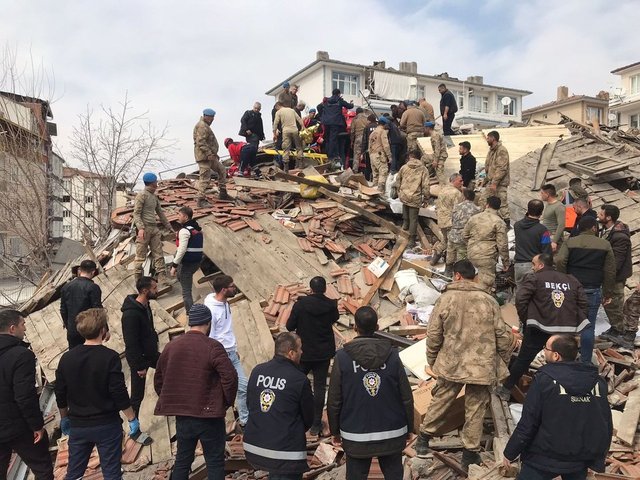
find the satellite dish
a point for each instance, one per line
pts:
(506, 101)
(366, 93)
(612, 116)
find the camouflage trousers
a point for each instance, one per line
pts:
(614, 309)
(486, 271)
(205, 168)
(289, 140)
(410, 221)
(379, 170)
(357, 153)
(442, 179)
(455, 252)
(152, 242)
(412, 141)
(476, 401)
(441, 246)
(631, 312)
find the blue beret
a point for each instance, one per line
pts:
(149, 177)
(209, 112)
(429, 124)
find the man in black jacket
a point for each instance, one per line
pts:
(617, 233)
(312, 317)
(251, 126)
(140, 337)
(467, 163)
(279, 395)
(548, 303)
(370, 404)
(21, 424)
(77, 296)
(448, 108)
(334, 123)
(532, 238)
(566, 423)
(582, 207)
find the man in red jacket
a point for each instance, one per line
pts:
(243, 155)
(196, 382)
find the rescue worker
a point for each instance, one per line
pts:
(288, 124)
(371, 126)
(427, 109)
(243, 155)
(531, 239)
(439, 156)
(496, 167)
(279, 394)
(449, 196)
(380, 153)
(285, 97)
(448, 108)
(582, 209)
(553, 216)
(149, 238)
(358, 126)
(205, 148)
(467, 164)
(188, 256)
(412, 123)
(568, 196)
(486, 237)
(368, 378)
(251, 126)
(456, 245)
(413, 185)
(468, 345)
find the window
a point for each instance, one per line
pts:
(420, 93)
(66, 213)
(66, 229)
(459, 98)
(88, 199)
(509, 109)
(346, 82)
(634, 121)
(478, 103)
(634, 87)
(87, 214)
(594, 113)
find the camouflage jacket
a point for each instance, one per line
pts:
(448, 198)
(204, 141)
(497, 165)
(486, 237)
(145, 209)
(439, 146)
(462, 212)
(467, 340)
(412, 183)
(358, 125)
(379, 141)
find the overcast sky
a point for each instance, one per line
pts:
(175, 58)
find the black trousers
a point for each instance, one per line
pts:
(534, 340)
(36, 456)
(137, 390)
(320, 369)
(446, 124)
(391, 466)
(74, 339)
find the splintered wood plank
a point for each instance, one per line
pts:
(630, 416)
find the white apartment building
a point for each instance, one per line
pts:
(624, 102)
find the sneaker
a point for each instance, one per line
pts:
(470, 458)
(422, 445)
(503, 392)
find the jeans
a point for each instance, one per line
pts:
(395, 158)
(391, 466)
(211, 433)
(241, 397)
(527, 472)
(588, 335)
(332, 146)
(107, 439)
(253, 140)
(35, 455)
(248, 157)
(320, 370)
(185, 277)
(520, 270)
(534, 340)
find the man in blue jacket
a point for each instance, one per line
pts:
(566, 423)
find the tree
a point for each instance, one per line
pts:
(118, 145)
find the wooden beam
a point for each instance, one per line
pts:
(396, 340)
(395, 256)
(266, 185)
(307, 181)
(365, 213)
(433, 226)
(408, 329)
(630, 417)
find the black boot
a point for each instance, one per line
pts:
(508, 224)
(223, 194)
(422, 445)
(435, 258)
(470, 458)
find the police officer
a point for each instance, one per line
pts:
(368, 378)
(280, 406)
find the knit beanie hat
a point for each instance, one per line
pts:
(199, 315)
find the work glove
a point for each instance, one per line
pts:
(65, 425)
(134, 427)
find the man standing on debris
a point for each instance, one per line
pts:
(312, 317)
(427, 110)
(497, 169)
(448, 108)
(145, 208)
(617, 233)
(548, 303)
(466, 341)
(370, 404)
(462, 212)
(140, 337)
(439, 155)
(358, 125)
(21, 423)
(205, 148)
(196, 382)
(366, 135)
(412, 123)
(566, 423)
(78, 295)
(449, 196)
(278, 395)
(380, 154)
(486, 237)
(251, 126)
(582, 208)
(91, 393)
(334, 124)
(222, 331)
(285, 97)
(288, 124)
(531, 239)
(553, 216)
(188, 256)
(467, 164)
(590, 259)
(413, 185)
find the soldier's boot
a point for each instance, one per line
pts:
(435, 258)
(623, 339)
(607, 334)
(470, 458)
(223, 195)
(163, 280)
(203, 203)
(508, 224)
(422, 445)
(448, 271)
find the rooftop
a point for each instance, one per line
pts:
(620, 70)
(566, 101)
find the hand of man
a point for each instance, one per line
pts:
(554, 247)
(606, 301)
(142, 373)
(434, 164)
(445, 116)
(506, 462)
(140, 236)
(275, 137)
(211, 157)
(134, 427)
(249, 132)
(493, 187)
(39, 435)
(173, 271)
(505, 267)
(65, 425)
(336, 441)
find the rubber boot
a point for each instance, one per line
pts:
(223, 195)
(470, 458)
(422, 445)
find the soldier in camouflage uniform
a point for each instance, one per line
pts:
(449, 196)
(468, 345)
(497, 168)
(358, 126)
(439, 156)
(205, 149)
(486, 238)
(631, 313)
(413, 185)
(145, 209)
(456, 245)
(380, 153)
(412, 122)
